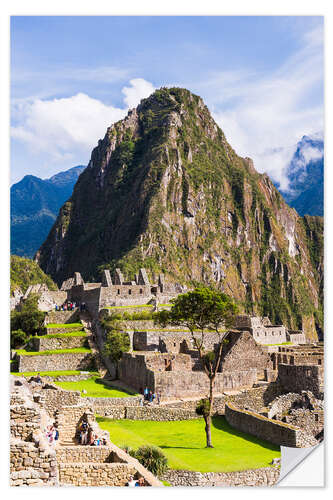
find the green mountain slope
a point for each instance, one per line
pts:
(165, 190)
(24, 272)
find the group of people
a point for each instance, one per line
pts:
(70, 306)
(87, 437)
(52, 434)
(133, 482)
(150, 396)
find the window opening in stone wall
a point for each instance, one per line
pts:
(118, 291)
(141, 291)
(129, 292)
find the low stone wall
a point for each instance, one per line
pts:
(267, 476)
(101, 474)
(54, 362)
(63, 316)
(276, 432)
(31, 465)
(46, 343)
(159, 413)
(82, 454)
(58, 330)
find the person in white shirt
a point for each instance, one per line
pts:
(131, 482)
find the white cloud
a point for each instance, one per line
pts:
(68, 126)
(265, 116)
(139, 89)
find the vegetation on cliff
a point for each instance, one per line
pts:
(24, 272)
(164, 190)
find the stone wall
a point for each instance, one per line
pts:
(194, 383)
(159, 413)
(60, 330)
(101, 474)
(298, 378)
(24, 418)
(54, 362)
(62, 316)
(56, 399)
(46, 343)
(82, 454)
(273, 431)
(32, 465)
(266, 476)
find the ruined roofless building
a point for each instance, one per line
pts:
(111, 291)
(265, 333)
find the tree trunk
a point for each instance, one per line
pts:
(208, 421)
(208, 418)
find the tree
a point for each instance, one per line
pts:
(18, 338)
(30, 319)
(117, 340)
(200, 310)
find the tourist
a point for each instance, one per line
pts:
(141, 401)
(131, 482)
(140, 482)
(104, 443)
(158, 398)
(38, 379)
(153, 396)
(145, 393)
(150, 397)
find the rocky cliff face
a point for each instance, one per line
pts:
(166, 191)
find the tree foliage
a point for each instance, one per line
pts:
(117, 340)
(29, 319)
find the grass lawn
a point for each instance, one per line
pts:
(54, 374)
(95, 388)
(63, 325)
(183, 442)
(80, 333)
(53, 351)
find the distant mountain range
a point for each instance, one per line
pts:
(34, 205)
(306, 177)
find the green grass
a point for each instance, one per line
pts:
(183, 442)
(95, 388)
(54, 374)
(282, 343)
(62, 335)
(23, 352)
(63, 325)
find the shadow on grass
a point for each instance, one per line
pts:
(113, 388)
(221, 424)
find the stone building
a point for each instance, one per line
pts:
(168, 364)
(109, 292)
(265, 333)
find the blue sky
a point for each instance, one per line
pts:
(71, 77)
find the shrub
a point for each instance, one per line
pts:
(30, 319)
(18, 338)
(152, 458)
(203, 408)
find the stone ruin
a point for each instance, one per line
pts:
(36, 462)
(109, 292)
(168, 364)
(265, 333)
